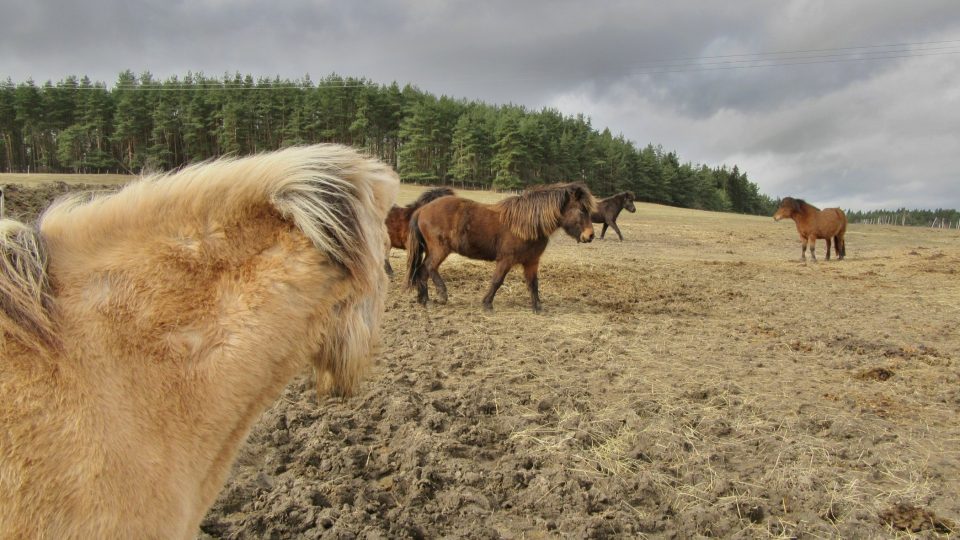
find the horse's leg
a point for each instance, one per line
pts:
(803, 248)
(530, 270)
(828, 248)
(433, 267)
(423, 295)
(841, 246)
(616, 229)
(813, 248)
(500, 272)
(387, 267)
(604, 231)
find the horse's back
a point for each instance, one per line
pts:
(466, 227)
(832, 222)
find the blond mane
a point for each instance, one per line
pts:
(25, 295)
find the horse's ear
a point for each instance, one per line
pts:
(580, 192)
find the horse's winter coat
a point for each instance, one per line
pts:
(143, 332)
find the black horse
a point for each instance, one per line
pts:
(608, 209)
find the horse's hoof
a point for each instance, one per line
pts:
(488, 308)
(442, 300)
(537, 309)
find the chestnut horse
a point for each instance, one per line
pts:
(513, 231)
(813, 223)
(608, 209)
(398, 220)
(143, 332)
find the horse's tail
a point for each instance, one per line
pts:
(842, 234)
(416, 250)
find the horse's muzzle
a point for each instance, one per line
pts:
(586, 239)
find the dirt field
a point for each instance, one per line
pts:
(696, 379)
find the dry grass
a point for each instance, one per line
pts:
(696, 379)
(702, 357)
(39, 179)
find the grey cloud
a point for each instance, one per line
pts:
(795, 126)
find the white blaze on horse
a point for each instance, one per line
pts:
(143, 332)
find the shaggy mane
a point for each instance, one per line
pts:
(311, 186)
(802, 203)
(25, 292)
(537, 211)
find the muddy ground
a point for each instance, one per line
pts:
(693, 380)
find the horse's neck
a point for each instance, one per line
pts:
(611, 206)
(619, 207)
(809, 212)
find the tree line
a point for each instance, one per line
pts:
(941, 217)
(143, 124)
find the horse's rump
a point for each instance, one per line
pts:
(398, 219)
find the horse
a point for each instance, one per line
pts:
(398, 220)
(513, 231)
(813, 223)
(143, 332)
(608, 209)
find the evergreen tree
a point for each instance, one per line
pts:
(28, 105)
(79, 126)
(471, 142)
(132, 123)
(510, 152)
(10, 132)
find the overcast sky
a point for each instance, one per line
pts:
(834, 127)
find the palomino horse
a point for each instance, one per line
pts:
(513, 231)
(813, 223)
(608, 209)
(143, 332)
(398, 220)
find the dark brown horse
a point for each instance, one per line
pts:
(398, 220)
(813, 223)
(608, 209)
(513, 231)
